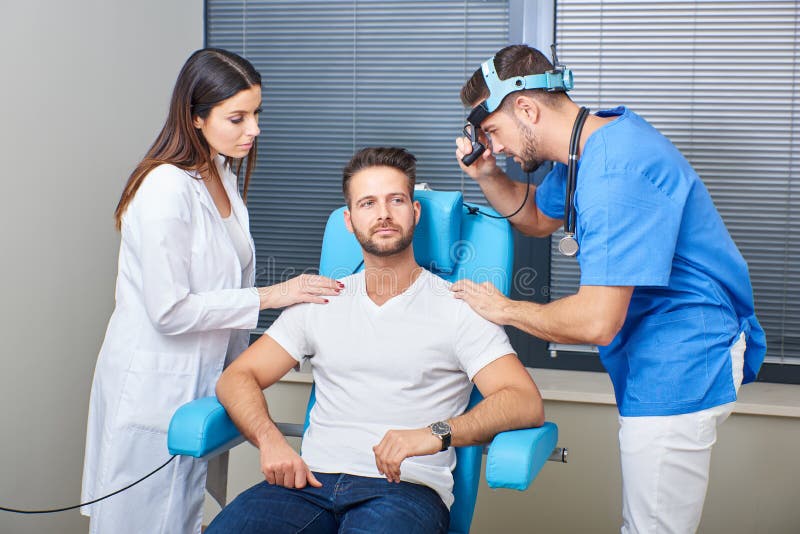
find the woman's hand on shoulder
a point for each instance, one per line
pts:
(304, 288)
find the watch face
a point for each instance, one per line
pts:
(440, 428)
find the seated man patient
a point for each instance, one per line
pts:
(393, 357)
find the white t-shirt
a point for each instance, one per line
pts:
(403, 365)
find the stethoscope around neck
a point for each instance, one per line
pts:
(568, 246)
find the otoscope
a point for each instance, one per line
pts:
(472, 132)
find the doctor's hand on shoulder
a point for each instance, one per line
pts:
(304, 288)
(485, 299)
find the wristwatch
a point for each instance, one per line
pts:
(441, 429)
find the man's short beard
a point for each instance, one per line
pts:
(370, 246)
(529, 156)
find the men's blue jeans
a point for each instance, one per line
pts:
(344, 504)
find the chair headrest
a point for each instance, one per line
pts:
(439, 229)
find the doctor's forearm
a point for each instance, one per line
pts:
(566, 320)
(211, 310)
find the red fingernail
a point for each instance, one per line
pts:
(326, 301)
(340, 285)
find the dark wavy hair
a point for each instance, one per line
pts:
(208, 77)
(514, 60)
(396, 158)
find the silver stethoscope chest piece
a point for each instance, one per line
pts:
(568, 246)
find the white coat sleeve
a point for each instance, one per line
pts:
(164, 219)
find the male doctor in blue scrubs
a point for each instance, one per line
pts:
(664, 292)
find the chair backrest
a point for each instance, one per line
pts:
(453, 242)
(449, 241)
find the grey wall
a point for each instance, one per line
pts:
(84, 89)
(753, 489)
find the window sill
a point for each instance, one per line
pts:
(758, 398)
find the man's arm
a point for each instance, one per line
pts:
(511, 401)
(240, 390)
(593, 315)
(505, 195)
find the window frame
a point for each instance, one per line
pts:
(534, 22)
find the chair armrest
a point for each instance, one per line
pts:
(202, 429)
(515, 457)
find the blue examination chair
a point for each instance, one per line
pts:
(453, 242)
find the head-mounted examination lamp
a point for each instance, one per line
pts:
(558, 79)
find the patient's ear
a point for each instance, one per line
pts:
(417, 211)
(347, 222)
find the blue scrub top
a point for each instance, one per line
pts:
(645, 219)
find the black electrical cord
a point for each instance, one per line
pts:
(54, 510)
(475, 210)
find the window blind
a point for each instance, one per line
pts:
(339, 76)
(719, 79)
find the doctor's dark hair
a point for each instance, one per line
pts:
(208, 77)
(396, 158)
(514, 60)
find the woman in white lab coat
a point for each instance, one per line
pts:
(185, 299)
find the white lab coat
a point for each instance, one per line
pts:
(180, 313)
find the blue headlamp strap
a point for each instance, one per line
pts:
(560, 79)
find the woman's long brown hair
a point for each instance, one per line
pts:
(207, 78)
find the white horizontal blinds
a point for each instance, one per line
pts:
(339, 76)
(720, 80)
(413, 58)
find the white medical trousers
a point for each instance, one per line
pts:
(665, 464)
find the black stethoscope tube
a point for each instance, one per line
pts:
(569, 245)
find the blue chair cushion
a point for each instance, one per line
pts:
(516, 457)
(202, 429)
(439, 229)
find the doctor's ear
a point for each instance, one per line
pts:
(197, 122)
(527, 108)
